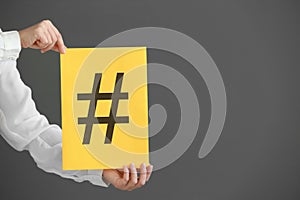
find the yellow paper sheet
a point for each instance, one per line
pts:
(104, 107)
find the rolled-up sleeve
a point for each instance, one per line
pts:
(22, 126)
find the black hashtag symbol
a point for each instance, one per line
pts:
(90, 120)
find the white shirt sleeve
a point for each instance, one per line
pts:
(22, 126)
(10, 46)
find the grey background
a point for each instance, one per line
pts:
(256, 46)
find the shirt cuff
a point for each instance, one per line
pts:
(11, 45)
(94, 177)
(97, 178)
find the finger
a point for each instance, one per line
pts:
(143, 175)
(60, 42)
(133, 177)
(59, 47)
(47, 48)
(125, 174)
(53, 37)
(50, 42)
(149, 169)
(41, 45)
(42, 42)
(45, 41)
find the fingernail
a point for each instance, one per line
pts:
(144, 166)
(132, 165)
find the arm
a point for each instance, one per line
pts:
(22, 126)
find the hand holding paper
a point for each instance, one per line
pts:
(43, 36)
(127, 179)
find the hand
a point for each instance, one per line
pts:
(43, 36)
(127, 179)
